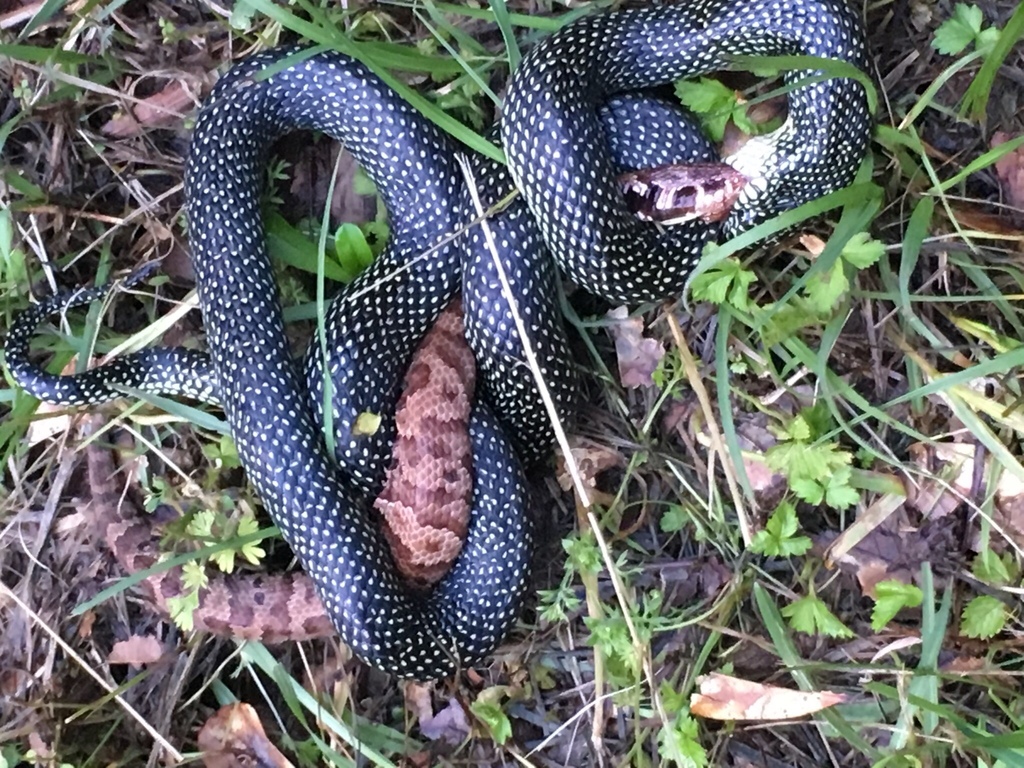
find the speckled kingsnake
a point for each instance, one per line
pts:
(563, 166)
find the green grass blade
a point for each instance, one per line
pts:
(976, 99)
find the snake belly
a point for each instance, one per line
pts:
(570, 207)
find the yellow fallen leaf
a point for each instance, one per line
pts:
(723, 697)
(367, 423)
(233, 737)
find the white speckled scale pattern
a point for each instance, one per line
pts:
(566, 77)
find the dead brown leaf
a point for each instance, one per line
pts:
(319, 170)
(332, 677)
(43, 750)
(418, 699)
(896, 552)
(177, 262)
(86, 624)
(683, 581)
(591, 458)
(449, 724)
(1009, 513)
(754, 439)
(965, 665)
(714, 575)
(952, 464)
(723, 697)
(1010, 170)
(814, 244)
(984, 220)
(164, 108)
(761, 477)
(136, 650)
(234, 738)
(637, 355)
(958, 475)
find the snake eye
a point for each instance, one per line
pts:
(682, 197)
(636, 198)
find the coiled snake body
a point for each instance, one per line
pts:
(564, 168)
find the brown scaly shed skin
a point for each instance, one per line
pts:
(425, 506)
(426, 500)
(270, 608)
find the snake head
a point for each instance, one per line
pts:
(676, 194)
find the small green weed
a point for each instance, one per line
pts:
(818, 472)
(678, 739)
(890, 598)
(716, 105)
(778, 538)
(810, 615)
(962, 29)
(488, 708)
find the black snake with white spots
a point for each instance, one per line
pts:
(558, 100)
